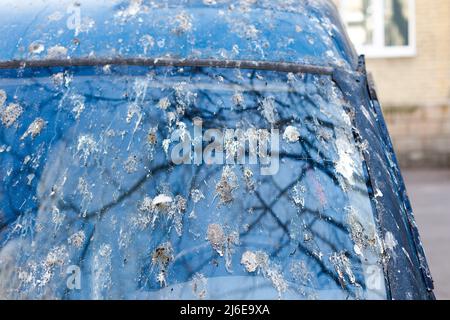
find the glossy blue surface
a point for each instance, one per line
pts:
(87, 183)
(294, 31)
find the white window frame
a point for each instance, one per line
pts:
(378, 49)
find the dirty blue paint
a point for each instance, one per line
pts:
(33, 168)
(291, 31)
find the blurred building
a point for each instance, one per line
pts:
(407, 45)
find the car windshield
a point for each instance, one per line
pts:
(182, 183)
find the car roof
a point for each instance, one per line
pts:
(296, 31)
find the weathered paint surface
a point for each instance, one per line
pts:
(87, 179)
(294, 31)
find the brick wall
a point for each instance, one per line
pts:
(423, 80)
(421, 135)
(415, 91)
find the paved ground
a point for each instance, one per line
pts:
(429, 191)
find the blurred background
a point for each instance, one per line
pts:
(407, 47)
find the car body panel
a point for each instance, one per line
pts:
(298, 32)
(260, 31)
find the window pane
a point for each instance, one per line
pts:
(90, 179)
(359, 18)
(396, 20)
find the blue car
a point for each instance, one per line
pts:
(196, 150)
